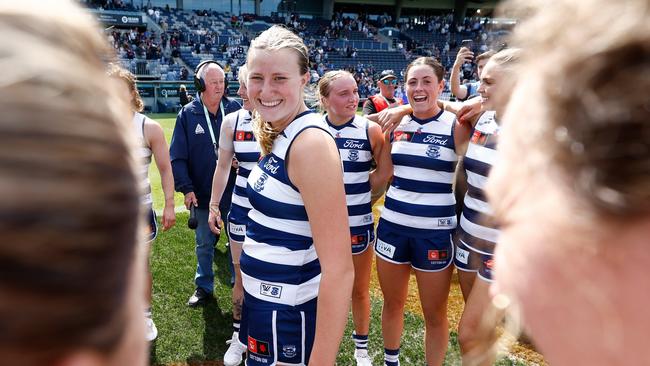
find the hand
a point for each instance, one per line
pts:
(168, 218)
(190, 199)
(214, 219)
(464, 55)
(469, 111)
(389, 118)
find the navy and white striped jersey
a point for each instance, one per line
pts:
(279, 265)
(143, 154)
(247, 152)
(353, 142)
(420, 198)
(477, 228)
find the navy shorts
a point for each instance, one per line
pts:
(468, 259)
(285, 336)
(152, 225)
(361, 242)
(430, 254)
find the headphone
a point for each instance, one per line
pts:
(199, 83)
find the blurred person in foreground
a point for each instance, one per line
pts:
(573, 254)
(72, 272)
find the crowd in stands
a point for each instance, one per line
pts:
(187, 37)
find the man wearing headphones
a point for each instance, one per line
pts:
(193, 153)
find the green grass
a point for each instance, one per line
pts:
(197, 335)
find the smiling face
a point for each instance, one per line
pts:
(243, 94)
(422, 90)
(342, 99)
(496, 87)
(275, 84)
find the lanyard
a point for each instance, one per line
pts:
(207, 120)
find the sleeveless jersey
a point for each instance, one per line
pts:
(353, 143)
(279, 265)
(477, 228)
(247, 152)
(420, 200)
(143, 154)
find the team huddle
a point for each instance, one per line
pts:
(536, 192)
(300, 224)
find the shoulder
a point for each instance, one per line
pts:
(192, 108)
(230, 105)
(447, 117)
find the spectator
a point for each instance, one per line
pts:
(194, 153)
(183, 96)
(386, 98)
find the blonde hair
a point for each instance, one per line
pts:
(69, 208)
(242, 74)
(273, 39)
(116, 71)
(325, 84)
(589, 122)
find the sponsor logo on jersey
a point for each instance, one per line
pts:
(258, 347)
(433, 151)
(445, 222)
(270, 290)
(244, 136)
(272, 165)
(479, 138)
(261, 181)
(462, 255)
(367, 218)
(435, 139)
(289, 350)
(385, 248)
(199, 130)
(353, 144)
(353, 155)
(237, 229)
(402, 136)
(437, 255)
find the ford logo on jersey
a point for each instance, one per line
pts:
(433, 151)
(259, 185)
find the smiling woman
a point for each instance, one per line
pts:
(296, 254)
(419, 213)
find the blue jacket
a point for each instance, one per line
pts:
(192, 153)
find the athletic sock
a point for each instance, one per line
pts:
(391, 357)
(360, 340)
(235, 325)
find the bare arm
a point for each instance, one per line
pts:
(381, 153)
(464, 55)
(328, 218)
(221, 174)
(390, 118)
(158, 144)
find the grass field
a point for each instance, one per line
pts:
(197, 336)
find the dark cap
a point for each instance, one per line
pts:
(387, 74)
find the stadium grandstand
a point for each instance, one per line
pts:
(162, 41)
